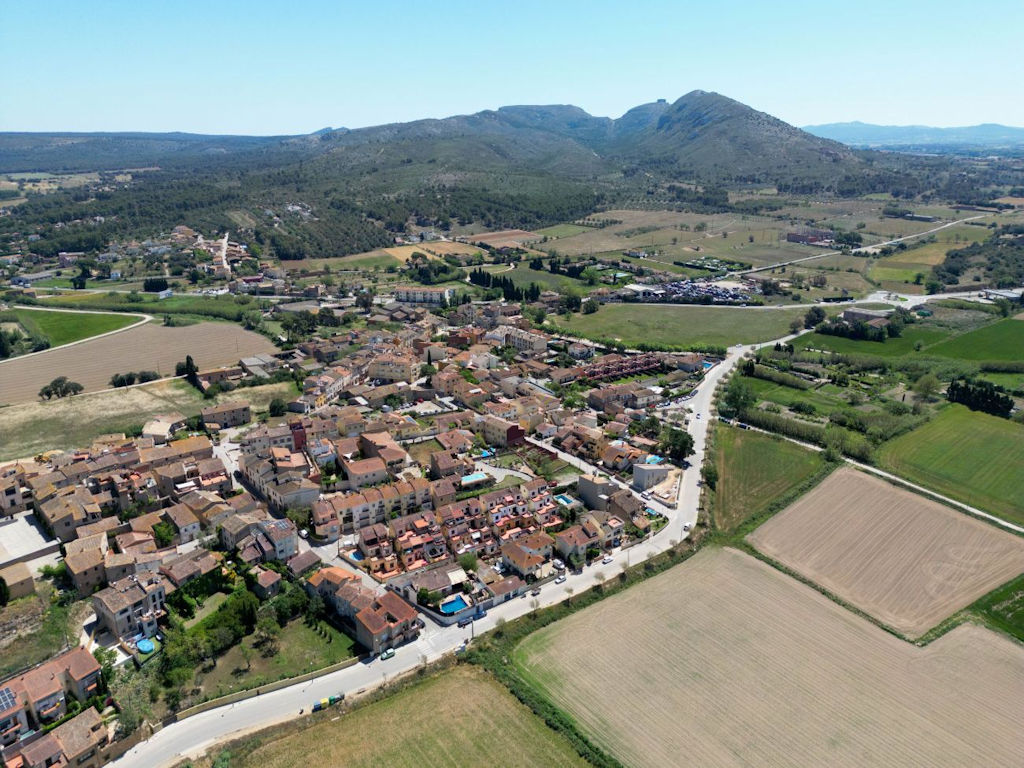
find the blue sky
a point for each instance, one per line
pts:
(272, 68)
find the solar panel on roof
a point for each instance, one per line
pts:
(7, 699)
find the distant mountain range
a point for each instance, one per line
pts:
(701, 133)
(522, 166)
(857, 134)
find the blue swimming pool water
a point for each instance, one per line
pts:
(458, 603)
(708, 365)
(145, 646)
(356, 555)
(476, 477)
(566, 500)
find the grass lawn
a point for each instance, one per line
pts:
(1003, 340)
(523, 276)
(65, 327)
(30, 428)
(682, 326)
(461, 717)
(299, 650)
(823, 400)
(755, 469)
(967, 455)
(895, 347)
(358, 261)
(212, 603)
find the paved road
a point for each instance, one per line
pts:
(195, 735)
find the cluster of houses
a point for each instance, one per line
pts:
(34, 702)
(138, 518)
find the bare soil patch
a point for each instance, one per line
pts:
(906, 560)
(732, 663)
(148, 347)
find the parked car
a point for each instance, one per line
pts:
(607, 559)
(535, 591)
(387, 654)
(465, 621)
(560, 579)
(559, 565)
(686, 526)
(304, 533)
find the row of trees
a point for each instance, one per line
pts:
(509, 289)
(129, 378)
(980, 395)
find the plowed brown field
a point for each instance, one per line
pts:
(149, 347)
(906, 560)
(725, 661)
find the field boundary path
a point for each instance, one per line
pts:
(904, 482)
(861, 249)
(145, 319)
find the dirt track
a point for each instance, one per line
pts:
(724, 661)
(906, 560)
(148, 347)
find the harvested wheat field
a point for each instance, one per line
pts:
(725, 661)
(148, 347)
(906, 560)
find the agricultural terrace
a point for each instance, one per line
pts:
(148, 347)
(42, 425)
(730, 662)
(460, 717)
(65, 327)
(681, 325)
(1003, 340)
(970, 456)
(906, 560)
(754, 470)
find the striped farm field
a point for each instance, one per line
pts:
(725, 661)
(967, 455)
(65, 327)
(755, 469)
(904, 559)
(1003, 340)
(147, 347)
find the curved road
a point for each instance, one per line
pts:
(145, 319)
(195, 735)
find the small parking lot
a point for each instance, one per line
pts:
(21, 536)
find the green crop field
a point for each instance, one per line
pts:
(677, 325)
(1003, 608)
(1003, 340)
(754, 470)
(460, 717)
(967, 455)
(563, 230)
(895, 347)
(65, 327)
(522, 276)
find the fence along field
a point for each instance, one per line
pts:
(725, 661)
(148, 347)
(905, 560)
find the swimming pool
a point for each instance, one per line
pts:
(708, 365)
(565, 500)
(476, 477)
(145, 646)
(356, 555)
(456, 604)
